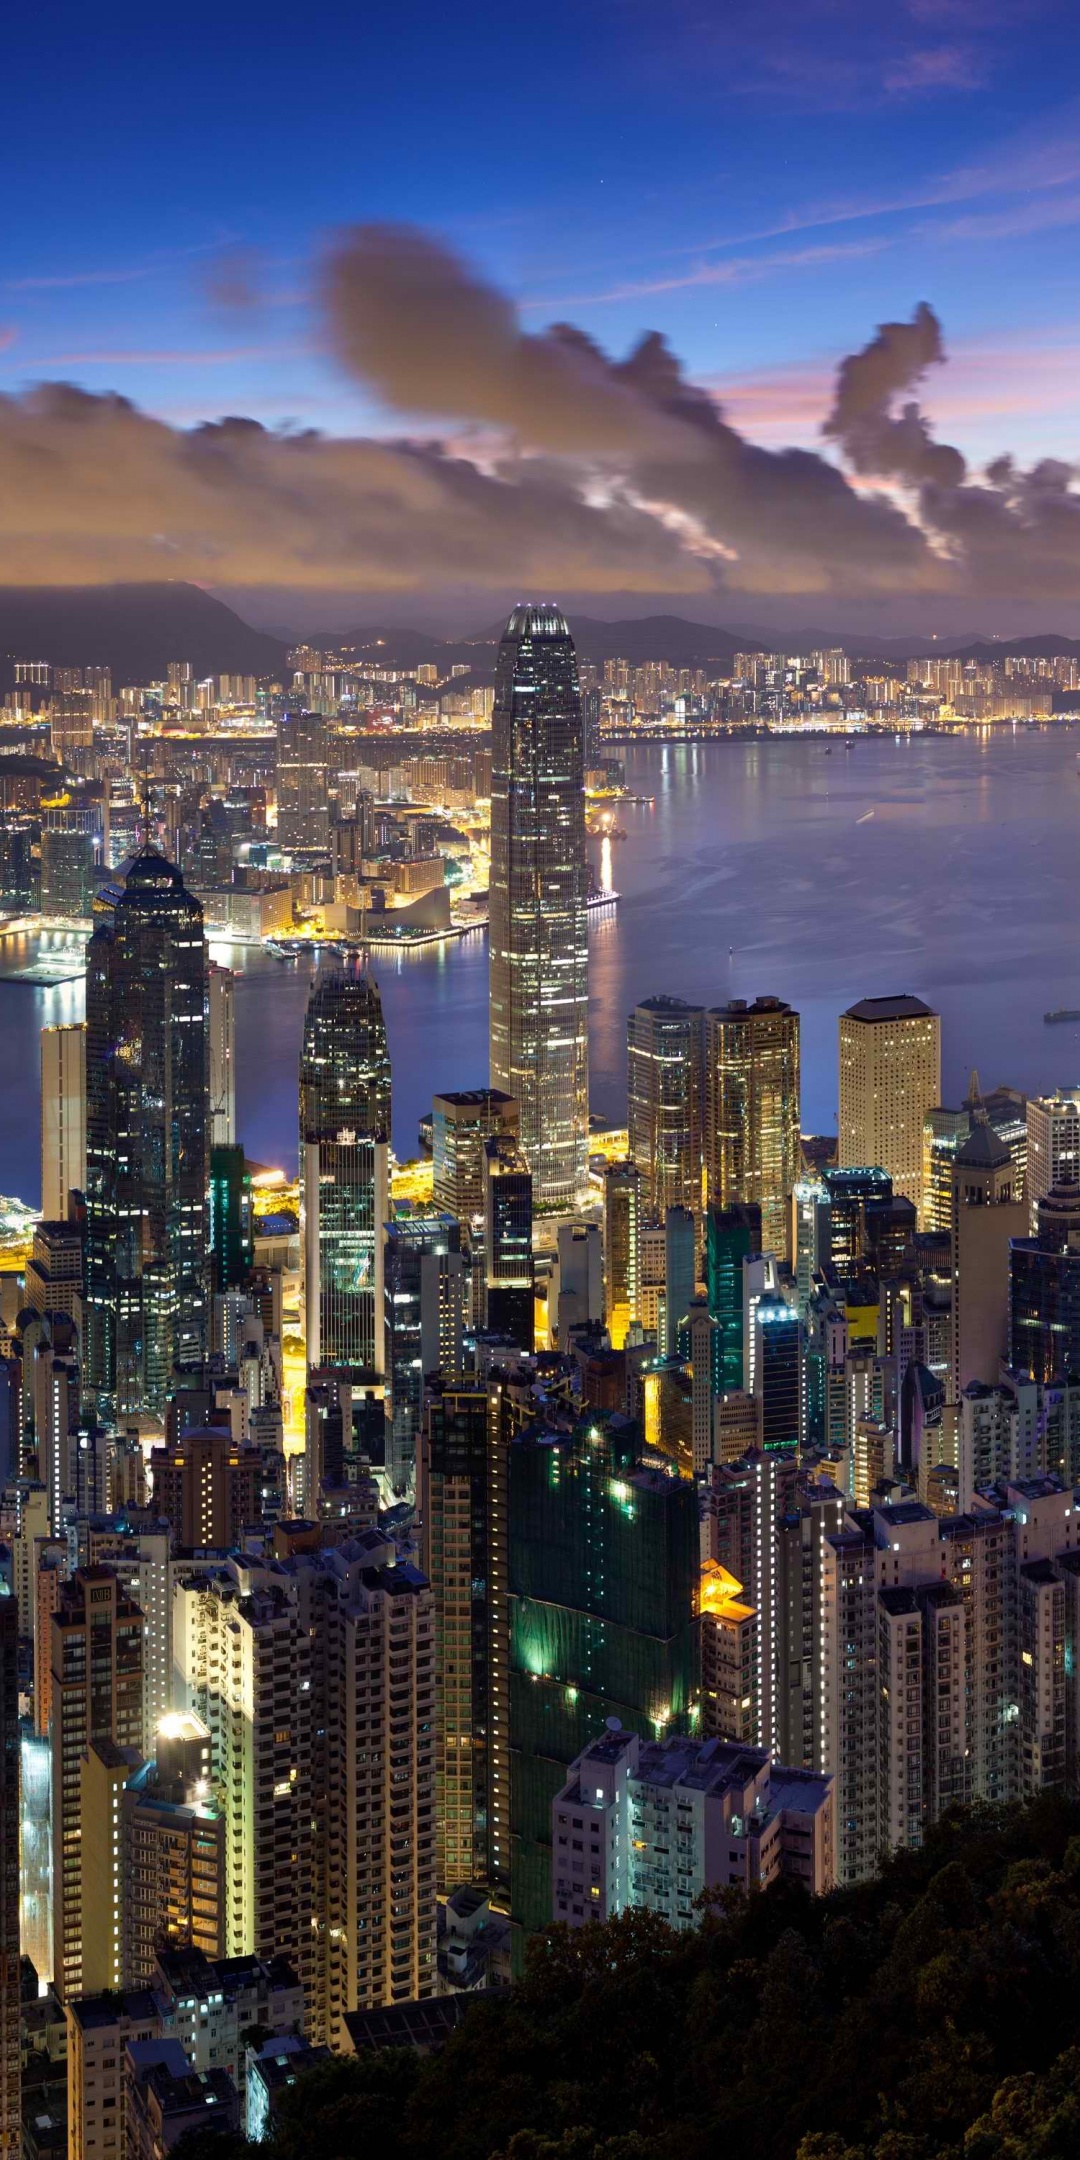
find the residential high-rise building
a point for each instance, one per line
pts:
(316, 1678)
(603, 1576)
(658, 1825)
(97, 1695)
(890, 1076)
(1053, 1146)
(752, 1084)
(153, 1854)
(222, 1052)
(303, 796)
(63, 1117)
(147, 1134)
(244, 1662)
(462, 1508)
(622, 1249)
(538, 886)
(664, 1042)
(508, 1250)
(460, 1124)
(207, 1487)
(344, 1159)
(10, 1818)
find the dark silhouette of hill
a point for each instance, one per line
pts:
(133, 629)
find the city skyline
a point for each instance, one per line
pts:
(417, 327)
(540, 1405)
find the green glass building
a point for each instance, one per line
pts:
(603, 1582)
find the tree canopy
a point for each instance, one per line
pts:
(932, 2014)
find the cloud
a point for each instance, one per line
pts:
(539, 459)
(92, 490)
(873, 438)
(935, 67)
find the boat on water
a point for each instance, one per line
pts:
(598, 898)
(1064, 1012)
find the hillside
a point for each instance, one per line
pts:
(133, 629)
(933, 2014)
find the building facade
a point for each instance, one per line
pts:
(538, 889)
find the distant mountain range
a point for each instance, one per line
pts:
(137, 629)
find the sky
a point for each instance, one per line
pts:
(762, 184)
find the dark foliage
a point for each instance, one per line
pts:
(933, 2014)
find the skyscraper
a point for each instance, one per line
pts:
(539, 922)
(63, 1117)
(1053, 1146)
(222, 1057)
(604, 1568)
(508, 1252)
(10, 2051)
(622, 1249)
(344, 1167)
(664, 1037)
(462, 1509)
(303, 809)
(97, 1694)
(752, 1111)
(460, 1124)
(147, 1134)
(890, 1076)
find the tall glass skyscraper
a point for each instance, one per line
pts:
(147, 1134)
(752, 1150)
(344, 1167)
(539, 924)
(664, 1039)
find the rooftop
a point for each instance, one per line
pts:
(890, 1008)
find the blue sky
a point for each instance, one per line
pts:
(763, 183)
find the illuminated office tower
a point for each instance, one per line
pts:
(752, 1083)
(67, 873)
(1044, 1300)
(147, 1136)
(344, 1167)
(508, 1251)
(622, 1253)
(460, 1124)
(63, 1117)
(303, 806)
(664, 1037)
(97, 1695)
(890, 1076)
(1053, 1146)
(777, 1372)
(231, 1226)
(539, 921)
(809, 1233)
(732, 1236)
(462, 1510)
(680, 1277)
(943, 1132)
(222, 1038)
(11, 2144)
(424, 1285)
